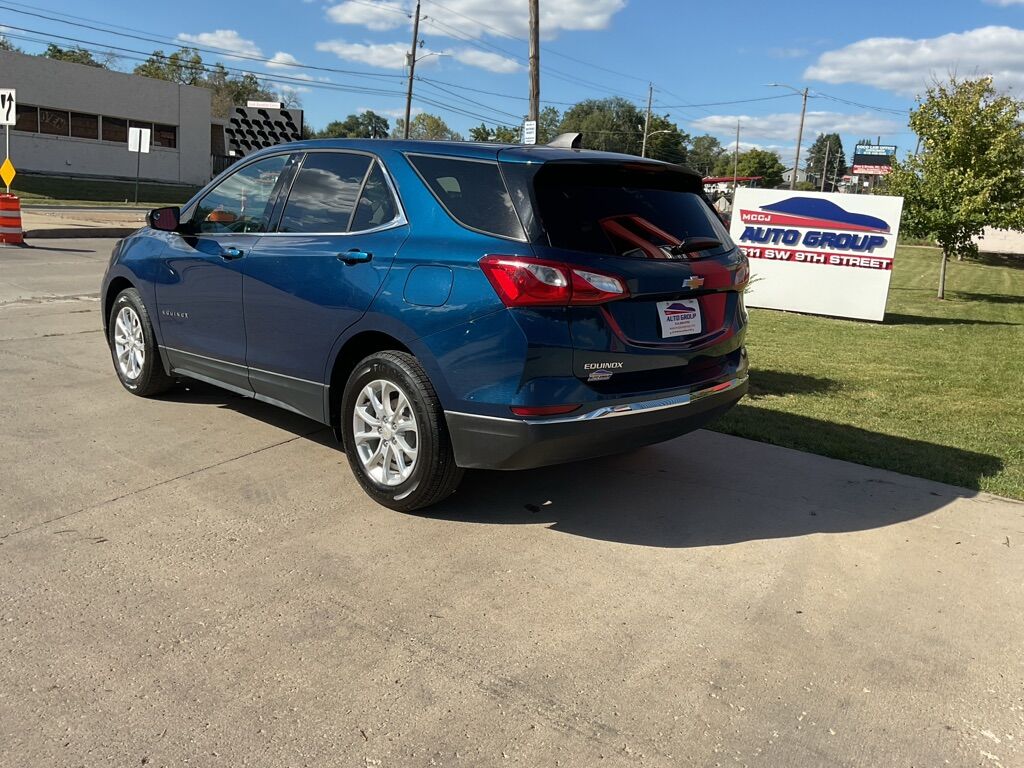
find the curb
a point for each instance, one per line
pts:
(74, 232)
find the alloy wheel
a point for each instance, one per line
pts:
(385, 432)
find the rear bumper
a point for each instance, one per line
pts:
(486, 442)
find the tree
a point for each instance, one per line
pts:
(481, 133)
(613, 125)
(7, 45)
(828, 145)
(184, 66)
(229, 90)
(365, 125)
(704, 154)
(548, 121)
(506, 134)
(968, 173)
(665, 141)
(426, 127)
(78, 55)
(754, 162)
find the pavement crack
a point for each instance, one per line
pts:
(169, 480)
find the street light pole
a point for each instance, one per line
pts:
(799, 139)
(412, 66)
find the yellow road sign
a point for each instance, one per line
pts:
(7, 172)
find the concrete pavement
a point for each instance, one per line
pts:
(198, 580)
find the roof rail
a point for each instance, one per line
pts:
(567, 141)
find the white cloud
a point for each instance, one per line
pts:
(1005, 3)
(908, 66)
(784, 125)
(282, 60)
(384, 55)
(392, 113)
(392, 56)
(378, 16)
(224, 40)
(484, 60)
(476, 18)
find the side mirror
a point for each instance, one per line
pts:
(164, 219)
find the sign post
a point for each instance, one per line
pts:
(8, 117)
(138, 142)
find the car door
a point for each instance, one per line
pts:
(199, 293)
(337, 235)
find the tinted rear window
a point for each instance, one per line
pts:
(473, 193)
(618, 211)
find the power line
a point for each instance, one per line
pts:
(160, 40)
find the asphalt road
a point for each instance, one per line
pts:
(198, 580)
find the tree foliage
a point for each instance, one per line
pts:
(613, 125)
(754, 162)
(705, 153)
(365, 125)
(968, 174)
(186, 67)
(665, 141)
(7, 45)
(827, 147)
(78, 55)
(426, 127)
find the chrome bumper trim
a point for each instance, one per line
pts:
(629, 409)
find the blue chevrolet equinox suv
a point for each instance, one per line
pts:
(442, 306)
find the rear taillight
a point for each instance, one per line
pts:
(522, 281)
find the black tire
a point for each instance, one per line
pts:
(434, 474)
(151, 379)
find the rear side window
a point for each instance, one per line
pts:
(622, 211)
(473, 193)
(324, 193)
(376, 205)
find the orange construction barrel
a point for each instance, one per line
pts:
(11, 232)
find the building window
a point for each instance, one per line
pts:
(28, 119)
(165, 136)
(115, 129)
(85, 126)
(54, 122)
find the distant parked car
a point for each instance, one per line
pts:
(442, 306)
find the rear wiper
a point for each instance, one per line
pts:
(691, 244)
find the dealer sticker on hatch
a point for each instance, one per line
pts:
(679, 318)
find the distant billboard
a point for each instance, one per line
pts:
(873, 159)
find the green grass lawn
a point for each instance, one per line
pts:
(54, 190)
(936, 391)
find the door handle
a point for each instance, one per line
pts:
(355, 256)
(230, 252)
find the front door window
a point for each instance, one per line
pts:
(242, 203)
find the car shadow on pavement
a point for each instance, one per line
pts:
(198, 393)
(709, 489)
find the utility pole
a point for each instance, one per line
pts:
(647, 120)
(824, 168)
(534, 58)
(412, 65)
(799, 138)
(736, 157)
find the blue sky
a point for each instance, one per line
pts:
(863, 62)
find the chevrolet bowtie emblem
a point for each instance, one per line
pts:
(693, 283)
